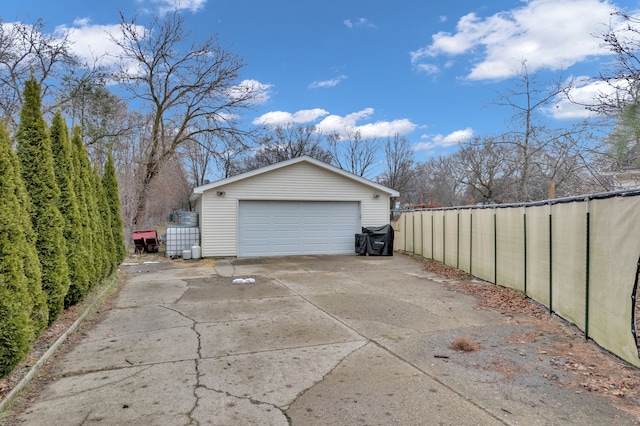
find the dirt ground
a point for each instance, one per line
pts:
(586, 367)
(591, 369)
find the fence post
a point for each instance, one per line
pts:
(524, 228)
(495, 246)
(588, 243)
(432, 256)
(405, 233)
(550, 260)
(413, 233)
(471, 242)
(422, 234)
(458, 241)
(444, 239)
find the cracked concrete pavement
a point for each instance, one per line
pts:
(316, 340)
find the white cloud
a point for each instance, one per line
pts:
(165, 6)
(360, 22)
(283, 118)
(381, 129)
(349, 124)
(333, 123)
(428, 68)
(327, 83)
(585, 92)
(339, 124)
(443, 141)
(259, 92)
(552, 34)
(92, 42)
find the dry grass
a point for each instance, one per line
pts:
(464, 344)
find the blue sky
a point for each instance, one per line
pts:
(426, 70)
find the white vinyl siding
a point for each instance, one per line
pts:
(280, 228)
(297, 182)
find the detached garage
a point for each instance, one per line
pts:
(296, 207)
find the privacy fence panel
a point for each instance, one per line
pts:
(427, 234)
(464, 253)
(483, 244)
(578, 257)
(418, 246)
(510, 235)
(614, 253)
(568, 261)
(451, 237)
(538, 253)
(438, 236)
(397, 223)
(410, 235)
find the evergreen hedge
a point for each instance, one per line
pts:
(110, 185)
(60, 226)
(110, 254)
(17, 329)
(82, 190)
(32, 267)
(36, 163)
(68, 206)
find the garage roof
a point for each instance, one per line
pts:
(381, 188)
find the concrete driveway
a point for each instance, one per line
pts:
(328, 340)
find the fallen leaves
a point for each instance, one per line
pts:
(581, 364)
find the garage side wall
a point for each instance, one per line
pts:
(301, 181)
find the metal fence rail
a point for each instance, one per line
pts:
(577, 256)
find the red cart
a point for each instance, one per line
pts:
(145, 241)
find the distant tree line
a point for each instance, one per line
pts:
(60, 225)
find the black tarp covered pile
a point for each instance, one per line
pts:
(375, 241)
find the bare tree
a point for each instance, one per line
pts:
(103, 116)
(26, 52)
(434, 182)
(197, 158)
(398, 163)
(210, 157)
(486, 169)
(623, 77)
(530, 137)
(284, 143)
(623, 41)
(170, 191)
(189, 88)
(352, 152)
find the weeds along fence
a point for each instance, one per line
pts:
(579, 257)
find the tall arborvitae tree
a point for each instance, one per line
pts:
(68, 206)
(97, 228)
(84, 193)
(16, 326)
(106, 236)
(36, 162)
(110, 185)
(32, 268)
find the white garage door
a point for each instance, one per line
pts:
(281, 228)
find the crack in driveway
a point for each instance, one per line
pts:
(192, 420)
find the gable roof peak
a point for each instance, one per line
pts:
(282, 164)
